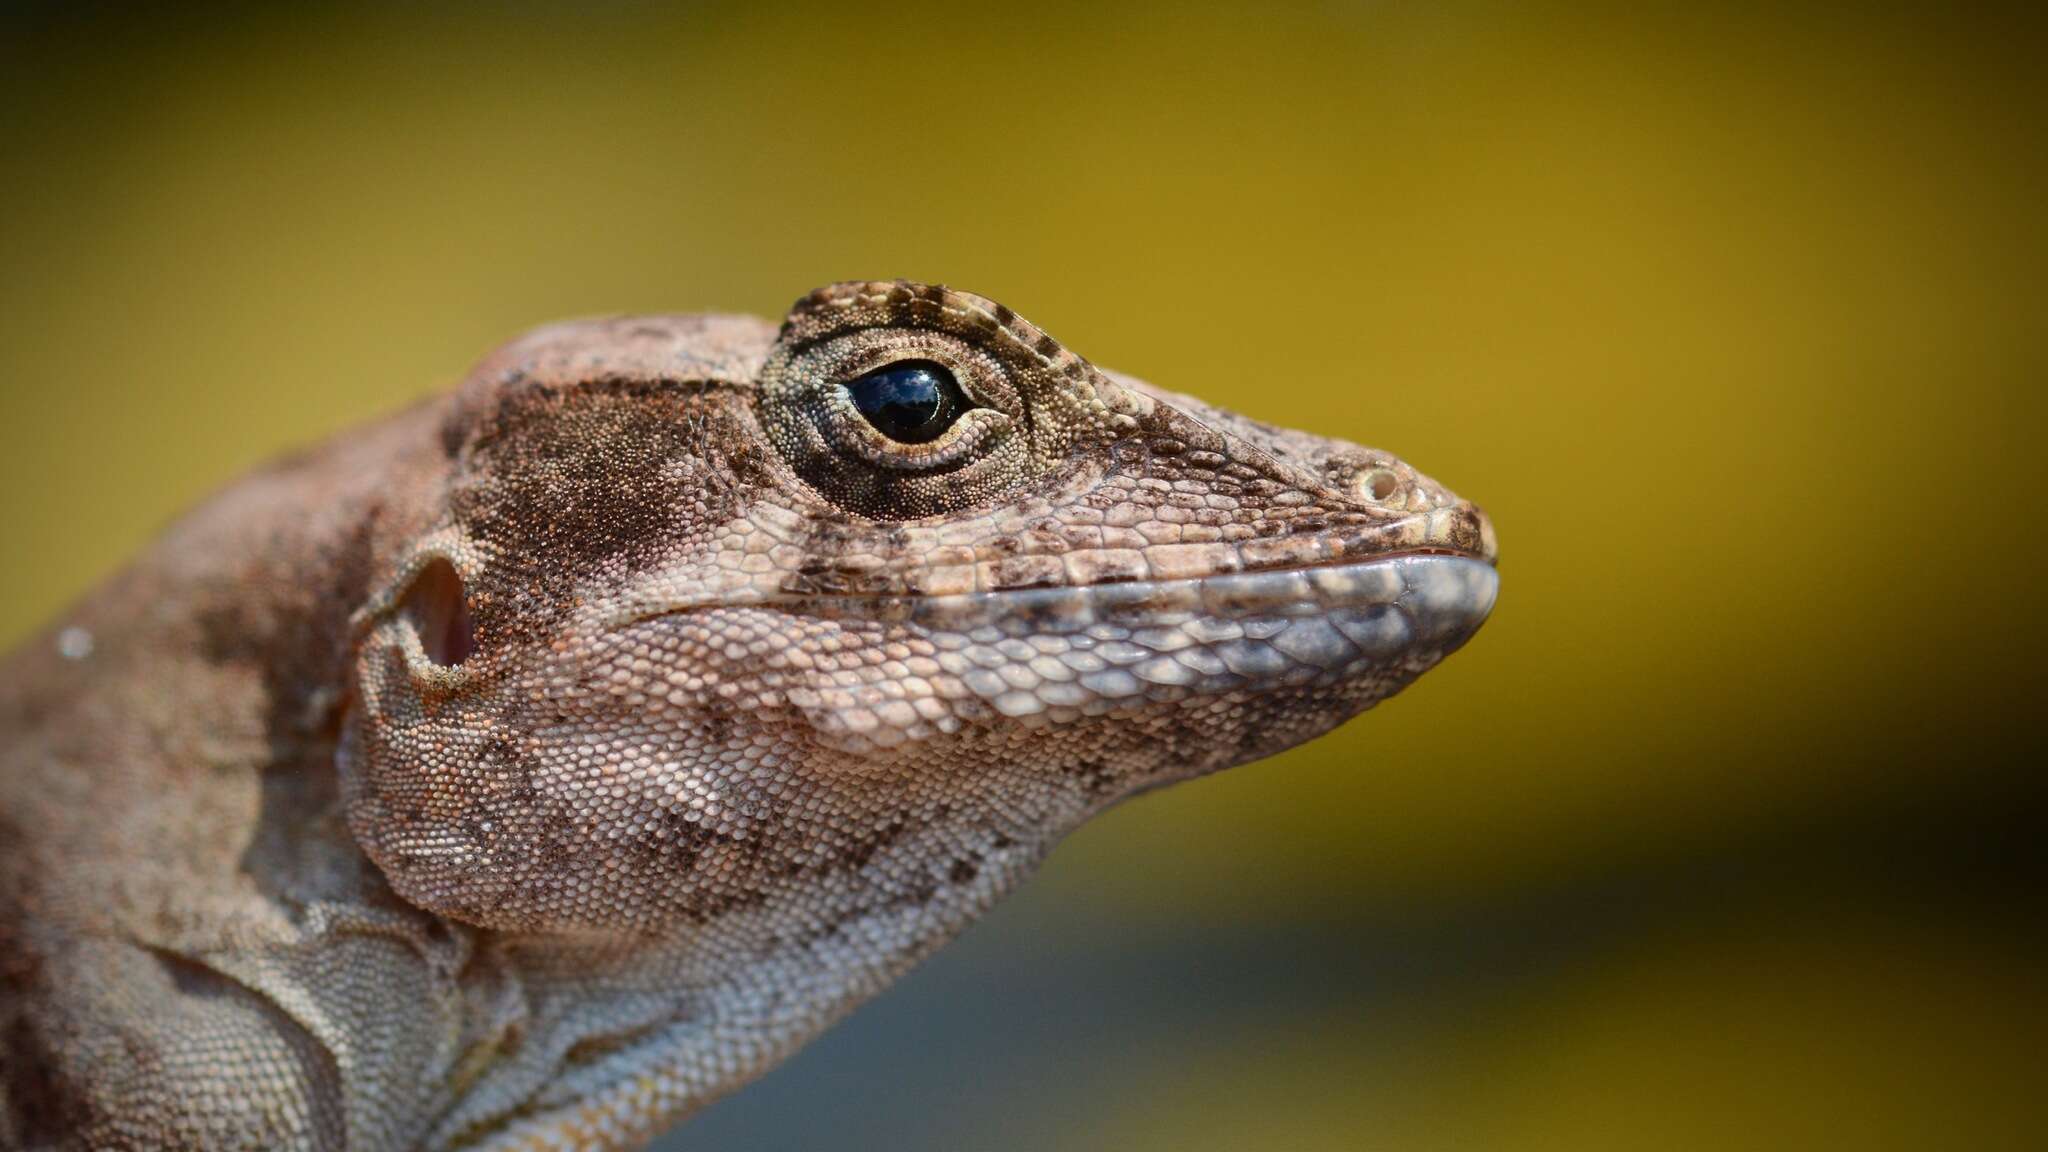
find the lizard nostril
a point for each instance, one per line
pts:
(439, 613)
(1378, 485)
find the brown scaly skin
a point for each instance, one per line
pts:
(531, 768)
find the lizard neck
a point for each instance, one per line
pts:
(167, 792)
(212, 663)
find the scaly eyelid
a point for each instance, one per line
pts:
(971, 435)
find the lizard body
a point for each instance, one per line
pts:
(537, 765)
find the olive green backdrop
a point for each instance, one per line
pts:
(1733, 318)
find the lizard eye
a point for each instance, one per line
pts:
(910, 401)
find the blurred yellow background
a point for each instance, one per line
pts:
(1733, 318)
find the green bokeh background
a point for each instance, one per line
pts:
(1733, 318)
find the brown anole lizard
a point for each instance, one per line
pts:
(533, 767)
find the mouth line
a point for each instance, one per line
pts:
(1374, 623)
(1439, 590)
(1423, 582)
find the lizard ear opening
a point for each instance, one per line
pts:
(439, 613)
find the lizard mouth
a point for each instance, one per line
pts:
(1431, 593)
(1385, 619)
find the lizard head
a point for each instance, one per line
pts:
(812, 639)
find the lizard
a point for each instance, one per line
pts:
(536, 765)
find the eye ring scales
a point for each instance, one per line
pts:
(909, 401)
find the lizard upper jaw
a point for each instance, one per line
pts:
(1436, 592)
(1080, 651)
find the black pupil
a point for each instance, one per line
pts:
(910, 401)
